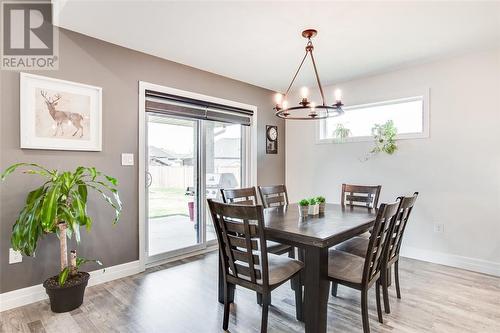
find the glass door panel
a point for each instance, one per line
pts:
(223, 162)
(173, 200)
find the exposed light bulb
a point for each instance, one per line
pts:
(304, 92)
(313, 113)
(284, 105)
(338, 95)
(278, 98)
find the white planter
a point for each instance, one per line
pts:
(322, 208)
(303, 211)
(313, 209)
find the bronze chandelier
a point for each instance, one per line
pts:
(307, 110)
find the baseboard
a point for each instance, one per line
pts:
(182, 256)
(23, 296)
(471, 264)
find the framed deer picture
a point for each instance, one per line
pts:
(60, 115)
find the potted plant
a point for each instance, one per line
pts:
(303, 207)
(385, 138)
(341, 133)
(313, 207)
(60, 206)
(321, 202)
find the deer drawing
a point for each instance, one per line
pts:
(61, 117)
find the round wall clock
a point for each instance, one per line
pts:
(272, 133)
(271, 139)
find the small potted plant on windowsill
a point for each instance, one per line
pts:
(303, 207)
(313, 207)
(60, 206)
(321, 202)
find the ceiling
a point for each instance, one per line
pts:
(259, 42)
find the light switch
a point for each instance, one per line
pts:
(15, 256)
(127, 159)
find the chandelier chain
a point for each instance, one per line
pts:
(295, 76)
(317, 78)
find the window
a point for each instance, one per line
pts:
(409, 116)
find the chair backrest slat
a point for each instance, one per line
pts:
(238, 228)
(242, 256)
(241, 196)
(404, 211)
(237, 241)
(254, 274)
(273, 196)
(242, 242)
(360, 195)
(378, 240)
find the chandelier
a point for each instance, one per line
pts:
(306, 109)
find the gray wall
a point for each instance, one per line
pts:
(117, 70)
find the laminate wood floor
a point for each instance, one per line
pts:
(182, 297)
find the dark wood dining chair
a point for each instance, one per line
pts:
(360, 195)
(248, 196)
(273, 196)
(362, 272)
(359, 245)
(245, 259)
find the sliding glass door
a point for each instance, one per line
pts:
(172, 180)
(188, 161)
(223, 162)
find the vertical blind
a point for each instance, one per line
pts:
(192, 108)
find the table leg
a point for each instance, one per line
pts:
(316, 287)
(221, 285)
(389, 276)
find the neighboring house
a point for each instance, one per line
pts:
(163, 157)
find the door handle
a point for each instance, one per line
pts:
(149, 179)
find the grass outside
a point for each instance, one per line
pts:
(168, 201)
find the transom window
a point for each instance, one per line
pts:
(409, 116)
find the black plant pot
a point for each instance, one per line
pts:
(69, 296)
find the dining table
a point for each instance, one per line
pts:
(313, 236)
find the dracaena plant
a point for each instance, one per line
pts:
(59, 206)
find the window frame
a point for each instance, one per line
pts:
(424, 97)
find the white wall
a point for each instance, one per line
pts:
(456, 170)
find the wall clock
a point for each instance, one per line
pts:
(271, 139)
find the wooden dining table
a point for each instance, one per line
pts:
(314, 235)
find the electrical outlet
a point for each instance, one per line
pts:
(438, 228)
(15, 256)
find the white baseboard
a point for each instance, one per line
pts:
(471, 264)
(182, 256)
(23, 296)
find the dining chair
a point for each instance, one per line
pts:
(362, 272)
(359, 245)
(273, 196)
(360, 195)
(248, 196)
(245, 259)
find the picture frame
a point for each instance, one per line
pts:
(59, 115)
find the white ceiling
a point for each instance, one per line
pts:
(260, 43)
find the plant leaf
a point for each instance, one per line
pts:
(111, 180)
(81, 261)
(13, 168)
(63, 276)
(49, 208)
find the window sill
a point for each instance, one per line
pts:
(409, 136)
